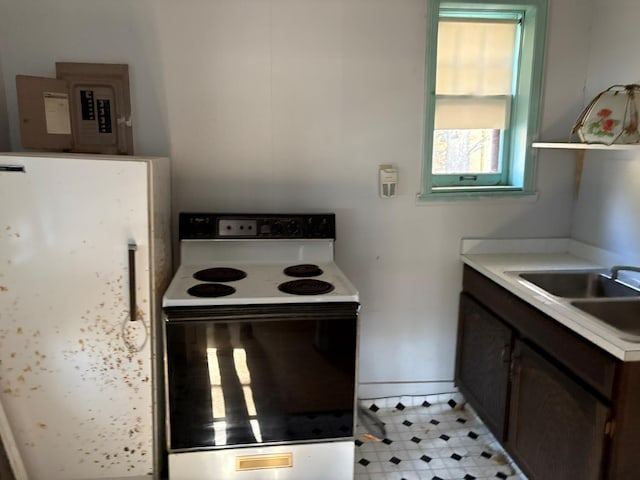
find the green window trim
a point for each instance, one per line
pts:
(518, 171)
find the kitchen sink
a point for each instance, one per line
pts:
(622, 315)
(581, 284)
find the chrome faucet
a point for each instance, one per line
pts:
(616, 268)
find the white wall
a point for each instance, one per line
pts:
(290, 105)
(608, 208)
(5, 144)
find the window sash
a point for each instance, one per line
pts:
(460, 112)
(468, 180)
(470, 177)
(475, 56)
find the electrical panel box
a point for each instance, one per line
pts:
(85, 109)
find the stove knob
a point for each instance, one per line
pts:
(321, 228)
(276, 228)
(294, 227)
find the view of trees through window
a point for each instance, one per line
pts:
(468, 151)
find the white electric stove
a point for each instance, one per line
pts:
(261, 332)
(270, 250)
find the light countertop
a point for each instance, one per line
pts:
(502, 260)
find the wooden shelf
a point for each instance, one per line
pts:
(586, 146)
(580, 149)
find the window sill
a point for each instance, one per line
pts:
(478, 194)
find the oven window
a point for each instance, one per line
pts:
(260, 381)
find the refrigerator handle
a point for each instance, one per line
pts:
(133, 311)
(12, 168)
(127, 324)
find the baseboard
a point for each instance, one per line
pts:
(398, 389)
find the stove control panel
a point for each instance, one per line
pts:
(209, 226)
(237, 227)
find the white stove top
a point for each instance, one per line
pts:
(260, 286)
(262, 246)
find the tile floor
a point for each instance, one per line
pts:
(435, 437)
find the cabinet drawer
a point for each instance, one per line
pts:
(593, 366)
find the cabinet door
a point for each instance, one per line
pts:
(482, 366)
(556, 427)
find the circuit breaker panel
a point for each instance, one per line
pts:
(85, 109)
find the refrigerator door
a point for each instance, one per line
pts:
(75, 373)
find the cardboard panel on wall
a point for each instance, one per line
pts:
(43, 104)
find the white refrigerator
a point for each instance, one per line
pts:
(84, 259)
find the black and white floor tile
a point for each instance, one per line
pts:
(435, 437)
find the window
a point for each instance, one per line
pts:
(483, 84)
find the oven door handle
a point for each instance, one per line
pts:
(133, 310)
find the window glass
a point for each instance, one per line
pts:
(469, 151)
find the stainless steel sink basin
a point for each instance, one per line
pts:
(582, 284)
(622, 315)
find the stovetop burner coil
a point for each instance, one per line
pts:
(303, 270)
(219, 274)
(211, 290)
(307, 286)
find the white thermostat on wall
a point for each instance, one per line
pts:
(388, 181)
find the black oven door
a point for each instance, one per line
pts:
(260, 374)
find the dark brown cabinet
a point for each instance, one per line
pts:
(561, 406)
(557, 428)
(482, 366)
